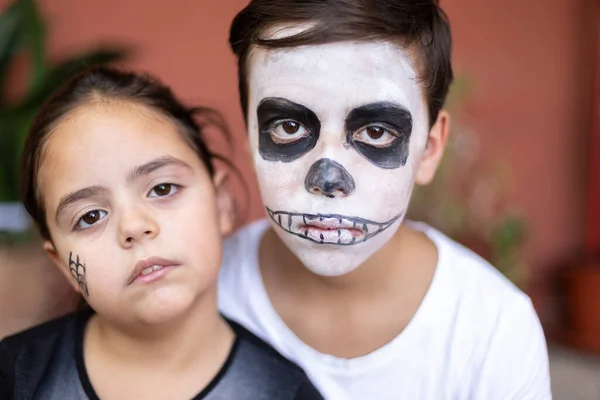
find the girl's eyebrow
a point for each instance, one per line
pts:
(137, 172)
(153, 165)
(68, 200)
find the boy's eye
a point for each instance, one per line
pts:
(376, 136)
(90, 218)
(375, 132)
(288, 131)
(164, 189)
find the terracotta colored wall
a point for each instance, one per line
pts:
(529, 61)
(532, 67)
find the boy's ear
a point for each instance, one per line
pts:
(53, 254)
(225, 202)
(436, 143)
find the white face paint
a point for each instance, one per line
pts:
(337, 132)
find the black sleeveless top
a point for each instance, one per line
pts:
(46, 362)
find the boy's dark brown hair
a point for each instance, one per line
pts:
(98, 84)
(415, 24)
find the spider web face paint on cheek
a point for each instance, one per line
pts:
(77, 270)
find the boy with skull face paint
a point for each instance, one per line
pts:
(343, 105)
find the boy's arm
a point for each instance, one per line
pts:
(516, 364)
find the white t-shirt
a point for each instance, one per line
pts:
(474, 336)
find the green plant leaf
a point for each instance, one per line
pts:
(11, 41)
(35, 31)
(59, 74)
(7, 170)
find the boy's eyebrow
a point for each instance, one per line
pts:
(71, 198)
(152, 166)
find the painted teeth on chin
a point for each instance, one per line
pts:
(312, 235)
(285, 220)
(291, 223)
(371, 228)
(345, 237)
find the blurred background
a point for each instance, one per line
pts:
(520, 182)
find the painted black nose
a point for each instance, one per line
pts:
(329, 178)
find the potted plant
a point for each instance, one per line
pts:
(30, 291)
(468, 198)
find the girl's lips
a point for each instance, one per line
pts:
(150, 269)
(154, 275)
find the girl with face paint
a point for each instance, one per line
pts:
(343, 105)
(122, 185)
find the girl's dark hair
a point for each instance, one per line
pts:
(101, 83)
(421, 24)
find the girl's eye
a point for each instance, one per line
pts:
(90, 218)
(288, 131)
(375, 135)
(163, 190)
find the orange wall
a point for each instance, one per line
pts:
(532, 66)
(530, 63)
